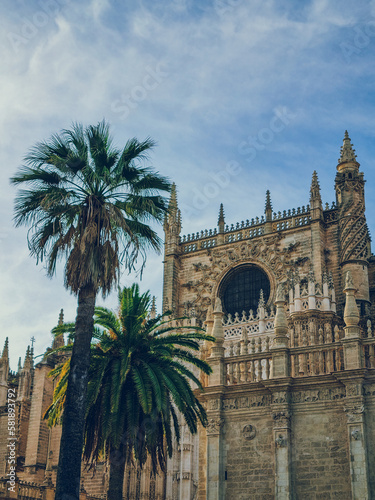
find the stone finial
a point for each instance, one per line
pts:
(281, 324)
(280, 296)
(221, 219)
(172, 220)
(61, 317)
(27, 363)
(268, 207)
(351, 313)
(19, 366)
(349, 283)
(58, 340)
(315, 188)
(261, 302)
(153, 308)
(218, 306)
(209, 314)
(173, 207)
(218, 330)
(347, 153)
(268, 201)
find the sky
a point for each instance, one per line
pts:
(240, 96)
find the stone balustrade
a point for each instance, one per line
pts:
(260, 323)
(252, 228)
(248, 368)
(368, 346)
(318, 360)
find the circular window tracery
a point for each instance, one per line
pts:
(240, 290)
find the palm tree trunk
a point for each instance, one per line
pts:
(116, 473)
(71, 444)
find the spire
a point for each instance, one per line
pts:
(19, 365)
(172, 220)
(261, 302)
(5, 354)
(268, 201)
(172, 207)
(61, 317)
(221, 219)
(347, 153)
(27, 363)
(153, 308)
(268, 213)
(315, 188)
(58, 340)
(281, 323)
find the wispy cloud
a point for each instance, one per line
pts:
(201, 79)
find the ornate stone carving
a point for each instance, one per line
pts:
(214, 425)
(356, 434)
(312, 395)
(281, 418)
(213, 404)
(354, 389)
(353, 222)
(265, 251)
(279, 397)
(354, 413)
(249, 432)
(257, 400)
(281, 441)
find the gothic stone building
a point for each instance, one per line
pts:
(291, 399)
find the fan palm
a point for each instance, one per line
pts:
(140, 373)
(92, 204)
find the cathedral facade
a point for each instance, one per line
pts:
(289, 298)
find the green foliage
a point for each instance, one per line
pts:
(91, 203)
(140, 374)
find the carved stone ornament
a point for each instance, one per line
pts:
(265, 251)
(281, 418)
(354, 413)
(280, 441)
(213, 404)
(324, 394)
(353, 389)
(356, 434)
(214, 425)
(355, 223)
(257, 400)
(279, 397)
(249, 432)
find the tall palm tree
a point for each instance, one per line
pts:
(140, 373)
(90, 203)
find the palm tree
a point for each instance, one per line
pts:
(140, 373)
(90, 203)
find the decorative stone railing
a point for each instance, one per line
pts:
(252, 228)
(304, 338)
(244, 234)
(23, 490)
(330, 216)
(368, 346)
(249, 368)
(316, 360)
(262, 323)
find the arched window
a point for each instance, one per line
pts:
(241, 288)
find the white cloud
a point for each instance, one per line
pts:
(224, 67)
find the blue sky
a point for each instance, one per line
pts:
(240, 96)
